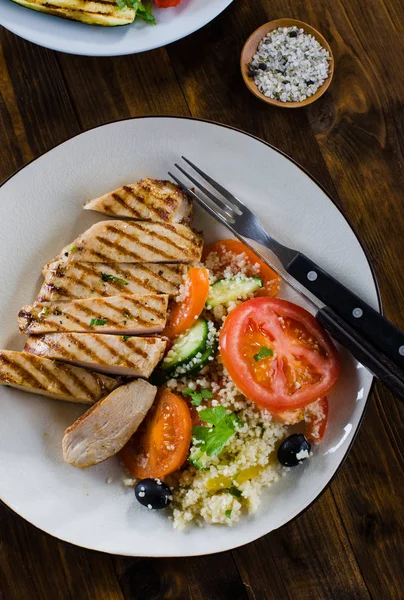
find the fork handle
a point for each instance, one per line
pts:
(380, 365)
(357, 313)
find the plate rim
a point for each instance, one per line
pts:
(128, 52)
(379, 301)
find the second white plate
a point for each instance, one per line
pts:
(90, 40)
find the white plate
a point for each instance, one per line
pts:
(40, 211)
(90, 40)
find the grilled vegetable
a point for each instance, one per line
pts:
(46, 377)
(96, 12)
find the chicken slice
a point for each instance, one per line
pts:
(128, 315)
(146, 200)
(134, 242)
(31, 373)
(67, 281)
(108, 425)
(119, 355)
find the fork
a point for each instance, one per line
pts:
(373, 340)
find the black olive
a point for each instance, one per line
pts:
(291, 447)
(153, 493)
(262, 66)
(252, 73)
(309, 82)
(292, 34)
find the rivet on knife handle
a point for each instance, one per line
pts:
(364, 319)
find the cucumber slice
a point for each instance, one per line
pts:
(196, 364)
(226, 290)
(187, 345)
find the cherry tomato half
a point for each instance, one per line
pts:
(161, 444)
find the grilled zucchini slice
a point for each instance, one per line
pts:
(97, 12)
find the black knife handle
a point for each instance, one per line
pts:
(381, 366)
(362, 317)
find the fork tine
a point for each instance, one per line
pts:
(223, 207)
(225, 193)
(205, 205)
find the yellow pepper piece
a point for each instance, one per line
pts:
(247, 474)
(219, 483)
(222, 483)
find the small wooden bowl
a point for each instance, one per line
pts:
(250, 49)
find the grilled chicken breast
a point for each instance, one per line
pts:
(119, 355)
(94, 12)
(146, 200)
(108, 425)
(134, 242)
(67, 281)
(31, 373)
(128, 315)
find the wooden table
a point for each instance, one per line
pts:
(350, 544)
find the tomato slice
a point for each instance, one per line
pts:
(277, 354)
(183, 314)
(161, 445)
(314, 416)
(167, 3)
(229, 250)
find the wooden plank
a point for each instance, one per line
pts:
(310, 558)
(35, 110)
(198, 578)
(34, 565)
(116, 88)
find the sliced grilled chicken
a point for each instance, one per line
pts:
(128, 315)
(67, 281)
(94, 12)
(31, 373)
(114, 354)
(134, 242)
(108, 425)
(146, 200)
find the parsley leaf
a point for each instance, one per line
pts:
(197, 397)
(228, 513)
(126, 337)
(108, 277)
(263, 352)
(234, 492)
(98, 322)
(221, 428)
(127, 315)
(71, 248)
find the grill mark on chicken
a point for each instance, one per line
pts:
(161, 237)
(124, 205)
(115, 246)
(158, 211)
(22, 371)
(129, 237)
(149, 280)
(79, 382)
